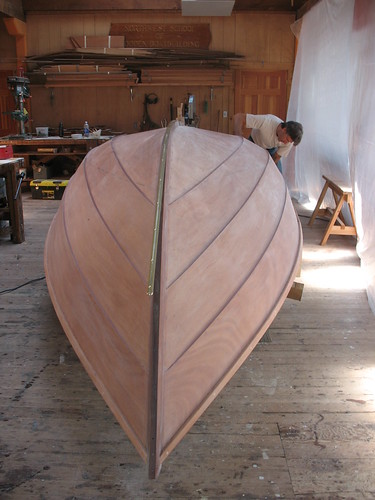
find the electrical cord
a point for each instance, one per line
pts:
(8, 290)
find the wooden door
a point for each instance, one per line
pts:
(261, 92)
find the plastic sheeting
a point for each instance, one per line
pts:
(333, 97)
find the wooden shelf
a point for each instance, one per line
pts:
(46, 153)
(155, 77)
(28, 149)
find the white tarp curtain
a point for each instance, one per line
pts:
(333, 96)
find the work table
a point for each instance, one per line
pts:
(40, 150)
(12, 211)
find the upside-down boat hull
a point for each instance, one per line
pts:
(170, 255)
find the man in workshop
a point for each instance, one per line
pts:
(270, 133)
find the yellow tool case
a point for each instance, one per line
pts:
(50, 189)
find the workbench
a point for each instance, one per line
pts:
(13, 211)
(38, 150)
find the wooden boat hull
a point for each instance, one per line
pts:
(170, 255)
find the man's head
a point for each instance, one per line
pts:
(290, 132)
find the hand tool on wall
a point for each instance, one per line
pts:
(147, 123)
(171, 108)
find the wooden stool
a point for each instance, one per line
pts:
(340, 194)
(13, 211)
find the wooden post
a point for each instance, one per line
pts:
(17, 28)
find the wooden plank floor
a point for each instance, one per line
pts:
(297, 421)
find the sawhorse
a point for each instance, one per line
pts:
(341, 194)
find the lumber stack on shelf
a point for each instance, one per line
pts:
(211, 76)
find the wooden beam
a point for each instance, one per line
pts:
(267, 5)
(306, 7)
(12, 8)
(154, 5)
(296, 291)
(14, 26)
(17, 28)
(99, 5)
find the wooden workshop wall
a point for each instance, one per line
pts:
(113, 107)
(8, 59)
(265, 40)
(8, 65)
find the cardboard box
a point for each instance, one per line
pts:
(52, 189)
(6, 152)
(41, 131)
(42, 171)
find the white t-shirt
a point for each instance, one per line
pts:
(264, 132)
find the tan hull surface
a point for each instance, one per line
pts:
(219, 257)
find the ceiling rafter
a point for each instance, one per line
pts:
(12, 8)
(34, 6)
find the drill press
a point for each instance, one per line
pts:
(19, 86)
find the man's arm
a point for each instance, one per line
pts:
(239, 120)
